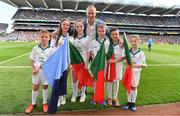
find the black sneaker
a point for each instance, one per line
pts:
(133, 107)
(127, 106)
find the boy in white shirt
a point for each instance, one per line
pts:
(138, 62)
(39, 55)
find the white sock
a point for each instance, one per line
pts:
(129, 96)
(75, 88)
(45, 96)
(83, 90)
(116, 89)
(94, 86)
(109, 89)
(34, 97)
(134, 96)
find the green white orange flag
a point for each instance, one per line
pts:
(127, 78)
(97, 69)
(77, 62)
(111, 68)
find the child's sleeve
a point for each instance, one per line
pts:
(53, 41)
(33, 53)
(71, 39)
(88, 43)
(123, 53)
(143, 59)
(107, 44)
(90, 48)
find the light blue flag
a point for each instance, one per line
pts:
(56, 64)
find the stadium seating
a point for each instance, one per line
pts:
(28, 21)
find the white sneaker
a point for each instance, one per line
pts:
(73, 99)
(59, 102)
(63, 100)
(83, 98)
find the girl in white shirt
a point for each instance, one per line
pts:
(81, 42)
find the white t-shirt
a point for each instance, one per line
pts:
(138, 58)
(61, 41)
(95, 46)
(118, 53)
(82, 44)
(40, 55)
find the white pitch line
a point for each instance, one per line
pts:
(15, 67)
(14, 58)
(158, 65)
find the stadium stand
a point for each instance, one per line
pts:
(3, 27)
(44, 17)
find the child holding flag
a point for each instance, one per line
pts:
(114, 74)
(39, 55)
(98, 50)
(138, 62)
(81, 42)
(62, 34)
(56, 68)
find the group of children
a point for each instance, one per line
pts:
(88, 49)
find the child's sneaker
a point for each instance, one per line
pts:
(109, 101)
(116, 102)
(127, 106)
(104, 104)
(45, 108)
(63, 100)
(83, 98)
(29, 109)
(73, 99)
(59, 102)
(133, 107)
(92, 102)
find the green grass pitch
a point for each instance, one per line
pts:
(158, 84)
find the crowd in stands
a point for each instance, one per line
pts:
(109, 18)
(20, 36)
(32, 36)
(35, 27)
(49, 15)
(3, 27)
(140, 20)
(161, 39)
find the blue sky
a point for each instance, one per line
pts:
(6, 13)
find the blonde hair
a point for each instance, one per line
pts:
(102, 25)
(44, 31)
(135, 36)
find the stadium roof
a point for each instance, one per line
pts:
(80, 5)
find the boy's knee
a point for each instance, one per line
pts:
(45, 86)
(35, 87)
(133, 88)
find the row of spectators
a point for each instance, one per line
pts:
(3, 27)
(46, 15)
(33, 35)
(110, 18)
(161, 39)
(20, 36)
(35, 27)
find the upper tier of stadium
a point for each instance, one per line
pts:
(33, 19)
(102, 6)
(34, 15)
